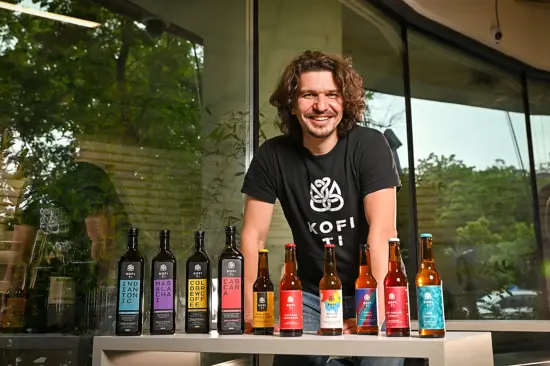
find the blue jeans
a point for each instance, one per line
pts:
(312, 319)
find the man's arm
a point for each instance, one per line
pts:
(380, 211)
(257, 220)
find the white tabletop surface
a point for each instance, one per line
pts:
(308, 344)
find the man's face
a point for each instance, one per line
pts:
(319, 104)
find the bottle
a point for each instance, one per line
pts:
(330, 287)
(230, 286)
(290, 302)
(366, 295)
(198, 290)
(62, 291)
(264, 299)
(429, 294)
(396, 295)
(129, 309)
(164, 282)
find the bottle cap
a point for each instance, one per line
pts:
(165, 233)
(425, 235)
(394, 240)
(199, 234)
(230, 229)
(290, 245)
(263, 251)
(329, 245)
(133, 231)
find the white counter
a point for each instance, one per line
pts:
(456, 349)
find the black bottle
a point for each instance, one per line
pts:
(129, 308)
(198, 289)
(230, 286)
(163, 285)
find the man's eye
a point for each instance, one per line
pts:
(308, 95)
(333, 95)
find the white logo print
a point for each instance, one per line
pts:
(130, 268)
(197, 267)
(367, 297)
(427, 296)
(391, 296)
(290, 299)
(231, 265)
(325, 196)
(163, 267)
(262, 300)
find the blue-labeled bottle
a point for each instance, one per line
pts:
(129, 308)
(366, 304)
(429, 294)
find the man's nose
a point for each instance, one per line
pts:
(321, 103)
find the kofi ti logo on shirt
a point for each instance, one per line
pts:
(326, 196)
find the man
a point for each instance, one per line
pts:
(336, 182)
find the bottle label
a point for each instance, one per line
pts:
(431, 314)
(264, 315)
(366, 307)
(290, 305)
(231, 304)
(332, 315)
(61, 291)
(197, 296)
(397, 306)
(129, 296)
(163, 296)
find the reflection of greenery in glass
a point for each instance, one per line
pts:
(488, 211)
(65, 85)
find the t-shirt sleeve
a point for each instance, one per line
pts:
(259, 181)
(377, 168)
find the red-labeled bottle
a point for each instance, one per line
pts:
(396, 295)
(290, 304)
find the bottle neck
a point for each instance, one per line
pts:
(428, 261)
(199, 243)
(364, 262)
(290, 261)
(230, 240)
(394, 264)
(132, 243)
(330, 262)
(165, 243)
(263, 265)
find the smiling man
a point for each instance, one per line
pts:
(336, 182)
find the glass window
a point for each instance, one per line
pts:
(141, 120)
(472, 180)
(374, 44)
(539, 103)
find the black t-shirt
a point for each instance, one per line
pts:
(322, 196)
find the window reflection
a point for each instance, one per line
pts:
(133, 123)
(472, 180)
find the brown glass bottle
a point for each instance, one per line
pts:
(290, 301)
(264, 300)
(330, 288)
(396, 295)
(230, 286)
(429, 294)
(366, 296)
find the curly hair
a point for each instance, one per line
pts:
(347, 79)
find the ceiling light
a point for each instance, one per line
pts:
(45, 14)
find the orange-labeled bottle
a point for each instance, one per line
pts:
(290, 303)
